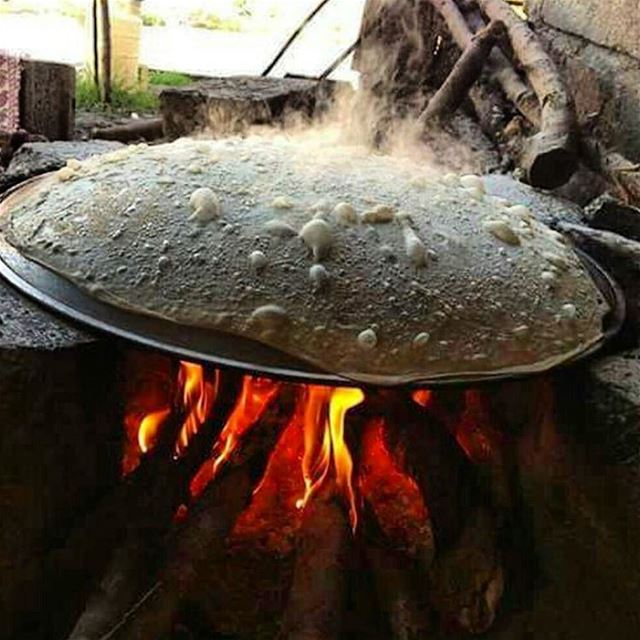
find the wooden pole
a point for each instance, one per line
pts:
(106, 51)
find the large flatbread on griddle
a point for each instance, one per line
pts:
(361, 264)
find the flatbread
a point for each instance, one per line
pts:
(361, 264)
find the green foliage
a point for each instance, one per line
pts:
(206, 20)
(122, 99)
(243, 7)
(153, 20)
(169, 78)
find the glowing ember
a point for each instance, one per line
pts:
(271, 519)
(474, 431)
(422, 397)
(392, 493)
(198, 395)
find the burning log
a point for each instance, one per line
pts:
(467, 581)
(445, 476)
(162, 485)
(152, 611)
(194, 544)
(399, 593)
(465, 72)
(318, 593)
(551, 157)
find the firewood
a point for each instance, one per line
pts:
(399, 593)
(467, 581)
(142, 129)
(202, 536)
(551, 156)
(499, 68)
(464, 74)
(318, 593)
(445, 476)
(136, 561)
(191, 546)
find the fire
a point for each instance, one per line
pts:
(198, 395)
(324, 420)
(149, 428)
(254, 398)
(156, 396)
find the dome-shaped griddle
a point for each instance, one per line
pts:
(334, 261)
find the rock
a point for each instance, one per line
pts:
(609, 214)
(605, 86)
(612, 402)
(584, 186)
(26, 326)
(34, 158)
(232, 104)
(621, 258)
(545, 206)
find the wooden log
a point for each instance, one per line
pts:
(47, 99)
(467, 581)
(551, 156)
(141, 129)
(400, 593)
(500, 69)
(444, 475)
(231, 105)
(193, 546)
(464, 74)
(196, 545)
(318, 593)
(136, 562)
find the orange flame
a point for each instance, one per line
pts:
(324, 441)
(255, 396)
(198, 395)
(150, 427)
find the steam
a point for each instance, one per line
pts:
(404, 51)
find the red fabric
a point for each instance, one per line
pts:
(9, 92)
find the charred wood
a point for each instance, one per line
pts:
(202, 536)
(464, 74)
(400, 593)
(163, 486)
(318, 593)
(190, 547)
(467, 581)
(445, 476)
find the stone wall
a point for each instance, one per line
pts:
(597, 45)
